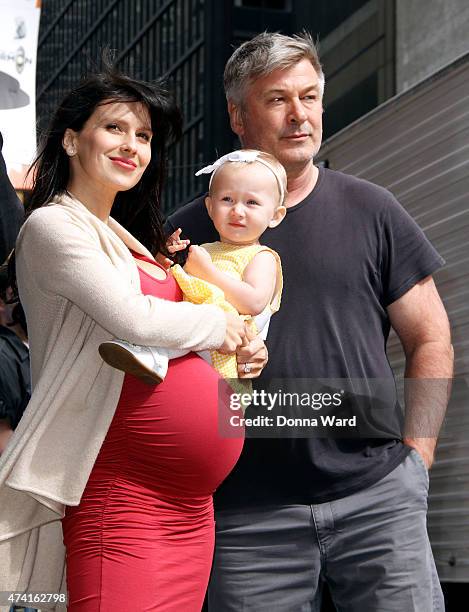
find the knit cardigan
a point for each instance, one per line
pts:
(79, 285)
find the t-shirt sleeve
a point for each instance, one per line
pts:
(407, 254)
(194, 221)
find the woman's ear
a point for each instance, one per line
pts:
(69, 142)
(278, 217)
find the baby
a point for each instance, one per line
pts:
(246, 196)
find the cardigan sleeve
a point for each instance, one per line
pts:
(64, 258)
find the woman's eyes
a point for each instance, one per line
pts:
(145, 136)
(252, 203)
(114, 127)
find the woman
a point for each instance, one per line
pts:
(131, 468)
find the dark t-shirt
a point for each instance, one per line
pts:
(348, 250)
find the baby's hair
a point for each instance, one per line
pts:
(267, 160)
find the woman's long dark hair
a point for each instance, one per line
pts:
(137, 209)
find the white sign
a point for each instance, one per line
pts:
(19, 27)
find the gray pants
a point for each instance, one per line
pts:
(371, 548)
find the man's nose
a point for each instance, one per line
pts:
(297, 112)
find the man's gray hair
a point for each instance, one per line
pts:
(262, 55)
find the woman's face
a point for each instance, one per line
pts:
(112, 149)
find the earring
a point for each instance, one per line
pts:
(71, 152)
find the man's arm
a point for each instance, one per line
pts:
(11, 211)
(420, 320)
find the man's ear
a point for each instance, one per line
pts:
(278, 217)
(208, 204)
(236, 118)
(69, 142)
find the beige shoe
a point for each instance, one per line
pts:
(144, 362)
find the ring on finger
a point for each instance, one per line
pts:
(247, 368)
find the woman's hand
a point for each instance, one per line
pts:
(235, 334)
(252, 356)
(199, 263)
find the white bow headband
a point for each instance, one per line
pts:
(241, 156)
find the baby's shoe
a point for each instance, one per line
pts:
(145, 362)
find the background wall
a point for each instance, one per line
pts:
(429, 34)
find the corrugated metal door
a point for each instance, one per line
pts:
(417, 145)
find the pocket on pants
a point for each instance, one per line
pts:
(417, 457)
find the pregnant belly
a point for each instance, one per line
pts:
(166, 437)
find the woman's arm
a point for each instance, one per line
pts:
(63, 257)
(251, 294)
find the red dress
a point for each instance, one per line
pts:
(142, 537)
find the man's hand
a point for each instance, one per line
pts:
(252, 356)
(199, 263)
(425, 448)
(420, 321)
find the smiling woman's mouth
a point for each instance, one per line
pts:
(124, 163)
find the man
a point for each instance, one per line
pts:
(11, 210)
(352, 512)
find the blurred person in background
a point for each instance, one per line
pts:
(15, 383)
(11, 210)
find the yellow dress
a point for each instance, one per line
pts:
(233, 260)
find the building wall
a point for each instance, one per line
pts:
(429, 35)
(358, 61)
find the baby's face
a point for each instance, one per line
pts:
(244, 202)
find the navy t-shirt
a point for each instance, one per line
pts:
(348, 250)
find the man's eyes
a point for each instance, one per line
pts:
(309, 97)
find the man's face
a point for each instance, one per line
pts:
(282, 115)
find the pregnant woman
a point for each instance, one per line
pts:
(129, 468)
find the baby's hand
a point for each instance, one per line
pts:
(174, 242)
(199, 263)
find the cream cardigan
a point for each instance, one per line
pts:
(79, 286)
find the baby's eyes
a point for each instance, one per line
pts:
(230, 200)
